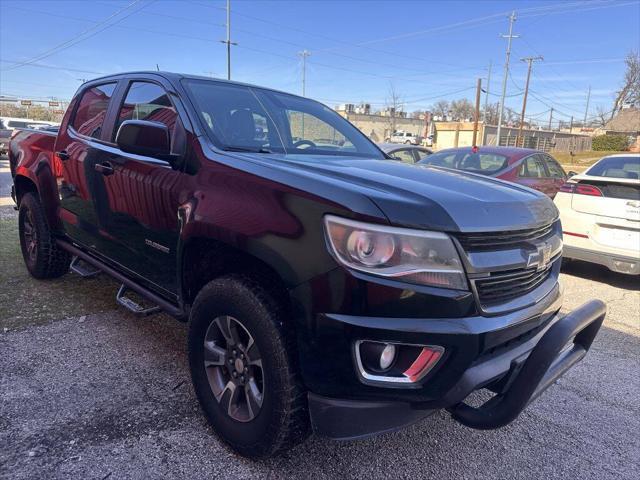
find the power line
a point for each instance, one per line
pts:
(85, 35)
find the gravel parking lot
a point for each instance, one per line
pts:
(89, 391)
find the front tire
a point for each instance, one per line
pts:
(42, 256)
(242, 361)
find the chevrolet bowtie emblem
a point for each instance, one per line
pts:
(540, 258)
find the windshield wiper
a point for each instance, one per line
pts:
(247, 149)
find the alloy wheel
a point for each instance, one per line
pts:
(30, 235)
(234, 368)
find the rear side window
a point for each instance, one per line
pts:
(92, 110)
(532, 167)
(555, 169)
(617, 167)
(404, 155)
(147, 101)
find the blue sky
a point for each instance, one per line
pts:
(427, 49)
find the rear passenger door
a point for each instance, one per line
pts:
(77, 151)
(533, 173)
(142, 200)
(556, 174)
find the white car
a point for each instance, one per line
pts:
(600, 214)
(404, 137)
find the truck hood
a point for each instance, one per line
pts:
(431, 197)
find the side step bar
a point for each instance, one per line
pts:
(133, 306)
(161, 303)
(77, 267)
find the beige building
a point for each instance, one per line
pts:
(380, 127)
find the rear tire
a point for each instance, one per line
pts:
(42, 256)
(280, 419)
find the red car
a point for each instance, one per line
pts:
(532, 168)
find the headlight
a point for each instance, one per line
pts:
(413, 256)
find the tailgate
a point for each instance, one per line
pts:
(618, 199)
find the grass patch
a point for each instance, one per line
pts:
(25, 301)
(585, 159)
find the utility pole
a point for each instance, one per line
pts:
(486, 92)
(530, 61)
(512, 18)
(228, 40)
(550, 119)
(304, 54)
(571, 125)
(586, 110)
(476, 113)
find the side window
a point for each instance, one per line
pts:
(92, 110)
(422, 154)
(532, 167)
(555, 170)
(405, 155)
(147, 101)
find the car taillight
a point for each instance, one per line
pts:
(588, 190)
(581, 189)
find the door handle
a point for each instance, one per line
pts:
(104, 168)
(62, 155)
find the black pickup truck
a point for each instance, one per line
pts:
(327, 287)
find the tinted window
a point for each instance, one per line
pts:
(532, 167)
(555, 170)
(243, 118)
(14, 124)
(404, 155)
(422, 154)
(478, 162)
(147, 101)
(92, 110)
(617, 167)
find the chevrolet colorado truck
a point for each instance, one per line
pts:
(327, 287)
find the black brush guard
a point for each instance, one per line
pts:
(563, 345)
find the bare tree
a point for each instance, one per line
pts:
(393, 105)
(630, 91)
(440, 108)
(462, 109)
(491, 114)
(602, 116)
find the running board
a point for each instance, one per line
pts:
(133, 306)
(80, 269)
(172, 309)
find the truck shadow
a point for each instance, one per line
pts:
(601, 274)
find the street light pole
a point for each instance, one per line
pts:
(509, 37)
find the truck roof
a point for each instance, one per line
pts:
(176, 77)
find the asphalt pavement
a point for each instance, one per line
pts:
(100, 394)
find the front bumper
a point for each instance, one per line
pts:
(517, 371)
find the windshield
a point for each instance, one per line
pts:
(484, 163)
(617, 167)
(242, 118)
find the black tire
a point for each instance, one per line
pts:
(42, 256)
(282, 420)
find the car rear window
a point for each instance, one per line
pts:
(484, 163)
(617, 167)
(92, 110)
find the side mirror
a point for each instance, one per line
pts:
(571, 174)
(142, 137)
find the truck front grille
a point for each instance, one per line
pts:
(501, 287)
(473, 242)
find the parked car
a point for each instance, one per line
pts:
(12, 123)
(600, 213)
(404, 137)
(405, 153)
(532, 168)
(5, 136)
(326, 289)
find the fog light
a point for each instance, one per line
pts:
(387, 356)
